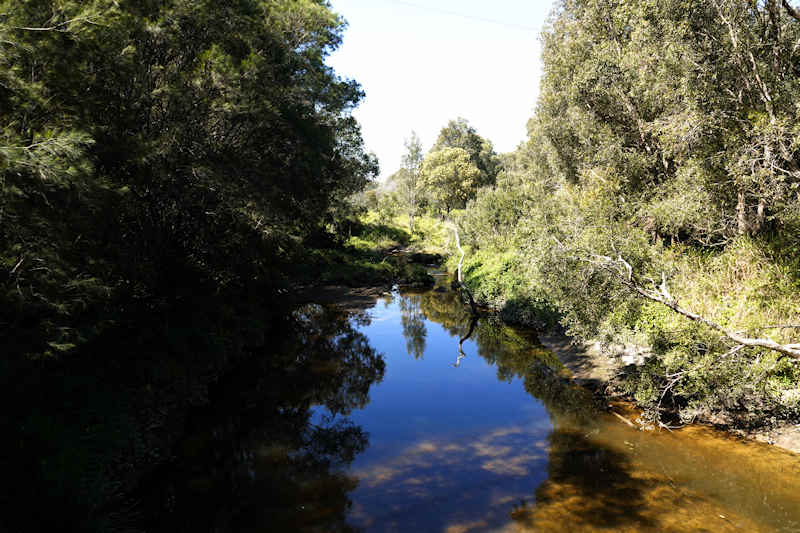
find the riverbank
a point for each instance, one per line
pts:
(594, 367)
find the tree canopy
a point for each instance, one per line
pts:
(449, 178)
(459, 133)
(152, 145)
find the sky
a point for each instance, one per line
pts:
(424, 62)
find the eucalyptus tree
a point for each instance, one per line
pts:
(409, 183)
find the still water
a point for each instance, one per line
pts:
(486, 434)
(404, 415)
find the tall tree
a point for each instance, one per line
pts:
(460, 134)
(410, 180)
(449, 178)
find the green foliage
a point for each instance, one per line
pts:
(150, 147)
(408, 178)
(459, 134)
(449, 178)
(666, 135)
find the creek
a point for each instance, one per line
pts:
(379, 419)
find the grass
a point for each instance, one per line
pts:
(366, 257)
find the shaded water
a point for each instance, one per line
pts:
(390, 420)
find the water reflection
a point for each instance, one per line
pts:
(413, 321)
(334, 427)
(253, 459)
(506, 442)
(461, 355)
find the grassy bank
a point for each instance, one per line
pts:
(375, 252)
(692, 372)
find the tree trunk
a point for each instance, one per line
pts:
(760, 216)
(741, 213)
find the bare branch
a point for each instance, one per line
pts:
(663, 297)
(792, 11)
(57, 27)
(19, 264)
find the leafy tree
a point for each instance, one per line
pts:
(149, 148)
(459, 134)
(409, 180)
(449, 178)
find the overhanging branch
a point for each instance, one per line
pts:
(792, 11)
(624, 272)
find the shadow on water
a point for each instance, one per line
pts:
(163, 430)
(596, 479)
(252, 459)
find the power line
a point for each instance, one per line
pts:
(464, 15)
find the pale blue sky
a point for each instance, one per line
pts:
(423, 62)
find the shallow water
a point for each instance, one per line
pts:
(492, 437)
(410, 417)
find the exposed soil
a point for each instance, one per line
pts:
(595, 367)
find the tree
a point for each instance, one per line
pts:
(409, 182)
(148, 147)
(459, 134)
(449, 178)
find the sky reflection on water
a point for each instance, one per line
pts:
(503, 442)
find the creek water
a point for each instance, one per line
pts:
(389, 419)
(491, 436)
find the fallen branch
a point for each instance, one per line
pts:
(663, 297)
(460, 263)
(631, 424)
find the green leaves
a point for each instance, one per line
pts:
(449, 178)
(157, 146)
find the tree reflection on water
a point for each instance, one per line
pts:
(254, 459)
(164, 430)
(413, 322)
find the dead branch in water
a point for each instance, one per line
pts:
(631, 424)
(460, 263)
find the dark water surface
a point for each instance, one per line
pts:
(405, 417)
